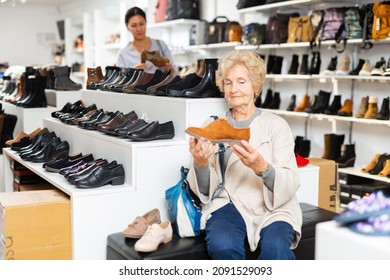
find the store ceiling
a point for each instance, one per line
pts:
(35, 2)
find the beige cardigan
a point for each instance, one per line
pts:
(259, 207)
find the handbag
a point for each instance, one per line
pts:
(299, 29)
(184, 207)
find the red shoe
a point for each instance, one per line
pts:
(301, 161)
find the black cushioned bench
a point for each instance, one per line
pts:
(194, 248)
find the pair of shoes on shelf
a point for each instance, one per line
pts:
(153, 131)
(379, 165)
(22, 135)
(150, 231)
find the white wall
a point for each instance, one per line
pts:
(23, 34)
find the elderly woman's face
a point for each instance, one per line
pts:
(238, 87)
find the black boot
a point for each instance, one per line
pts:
(335, 146)
(157, 78)
(304, 148)
(258, 101)
(36, 96)
(384, 111)
(358, 68)
(304, 69)
(275, 103)
(112, 72)
(62, 79)
(335, 106)
(315, 64)
(294, 65)
(277, 68)
(6, 133)
(207, 86)
(268, 99)
(348, 156)
(331, 69)
(292, 104)
(270, 64)
(321, 103)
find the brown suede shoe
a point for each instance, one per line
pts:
(139, 226)
(220, 131)
(154, 57)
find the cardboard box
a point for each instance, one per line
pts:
(32, 187)
(328, 191)
(36, 225)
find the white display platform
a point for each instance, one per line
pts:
(308, 191)
(336, 242)
(2, 186)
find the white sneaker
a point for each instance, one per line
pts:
(387, 71)
(379, 68)
(154, 236)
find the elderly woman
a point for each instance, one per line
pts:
(258, 203)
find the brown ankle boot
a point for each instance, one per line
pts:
(154, 57)
(346, 110)
(304, 104)
(94, 75)
(372, 164)
(386, 169)
(362, 108)
(372, 111)
(220, 131)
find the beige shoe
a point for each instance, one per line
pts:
(366, 69)
(154, 236)
(343, 69)
(139, 226)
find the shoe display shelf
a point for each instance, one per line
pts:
(336, 242)
(58, 98)
(356, 129)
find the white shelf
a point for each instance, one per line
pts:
(357, 172)
(173, 23)
(112, 46)
(288, 113)
(283, 77)
(352, 77)
(212, 46)
(276, 5)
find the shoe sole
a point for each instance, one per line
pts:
(215, 141)
(159, 137)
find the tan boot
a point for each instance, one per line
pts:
(305, 103)
(220, 131)
(201, 68)
(372, 110)
(327, 146)
(372, 164)
(362, 108)
(386, 169)
(154, 57)
(343, 69)
(16, 139)
(346, 110)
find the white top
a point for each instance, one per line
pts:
(128, 57)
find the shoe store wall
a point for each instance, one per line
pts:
(28, 33)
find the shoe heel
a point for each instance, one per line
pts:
(118, 181)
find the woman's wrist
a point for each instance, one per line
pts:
(264, 172)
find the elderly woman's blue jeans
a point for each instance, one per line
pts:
(226, 237)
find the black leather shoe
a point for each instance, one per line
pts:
(154, 131)
(49, 150)
(84, 171)
(56, 167)
(189, 81)
(131, 127)
(61, 157)
(81, 168)
(38, 145)
(105, 174)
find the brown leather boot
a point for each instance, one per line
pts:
(362, 108)
(94, 75)
(372, 164)
(220, 131)
(327, 146)
(386, 169)
(346, 110)
(305, 103)
(154, 57)
(372, 110)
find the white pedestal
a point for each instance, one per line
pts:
(308, 191)
(336, 242)
(2, 183)
(59, 98)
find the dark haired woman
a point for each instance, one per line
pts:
(130, 55)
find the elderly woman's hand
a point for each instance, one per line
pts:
(201, 150)
(250, 157)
